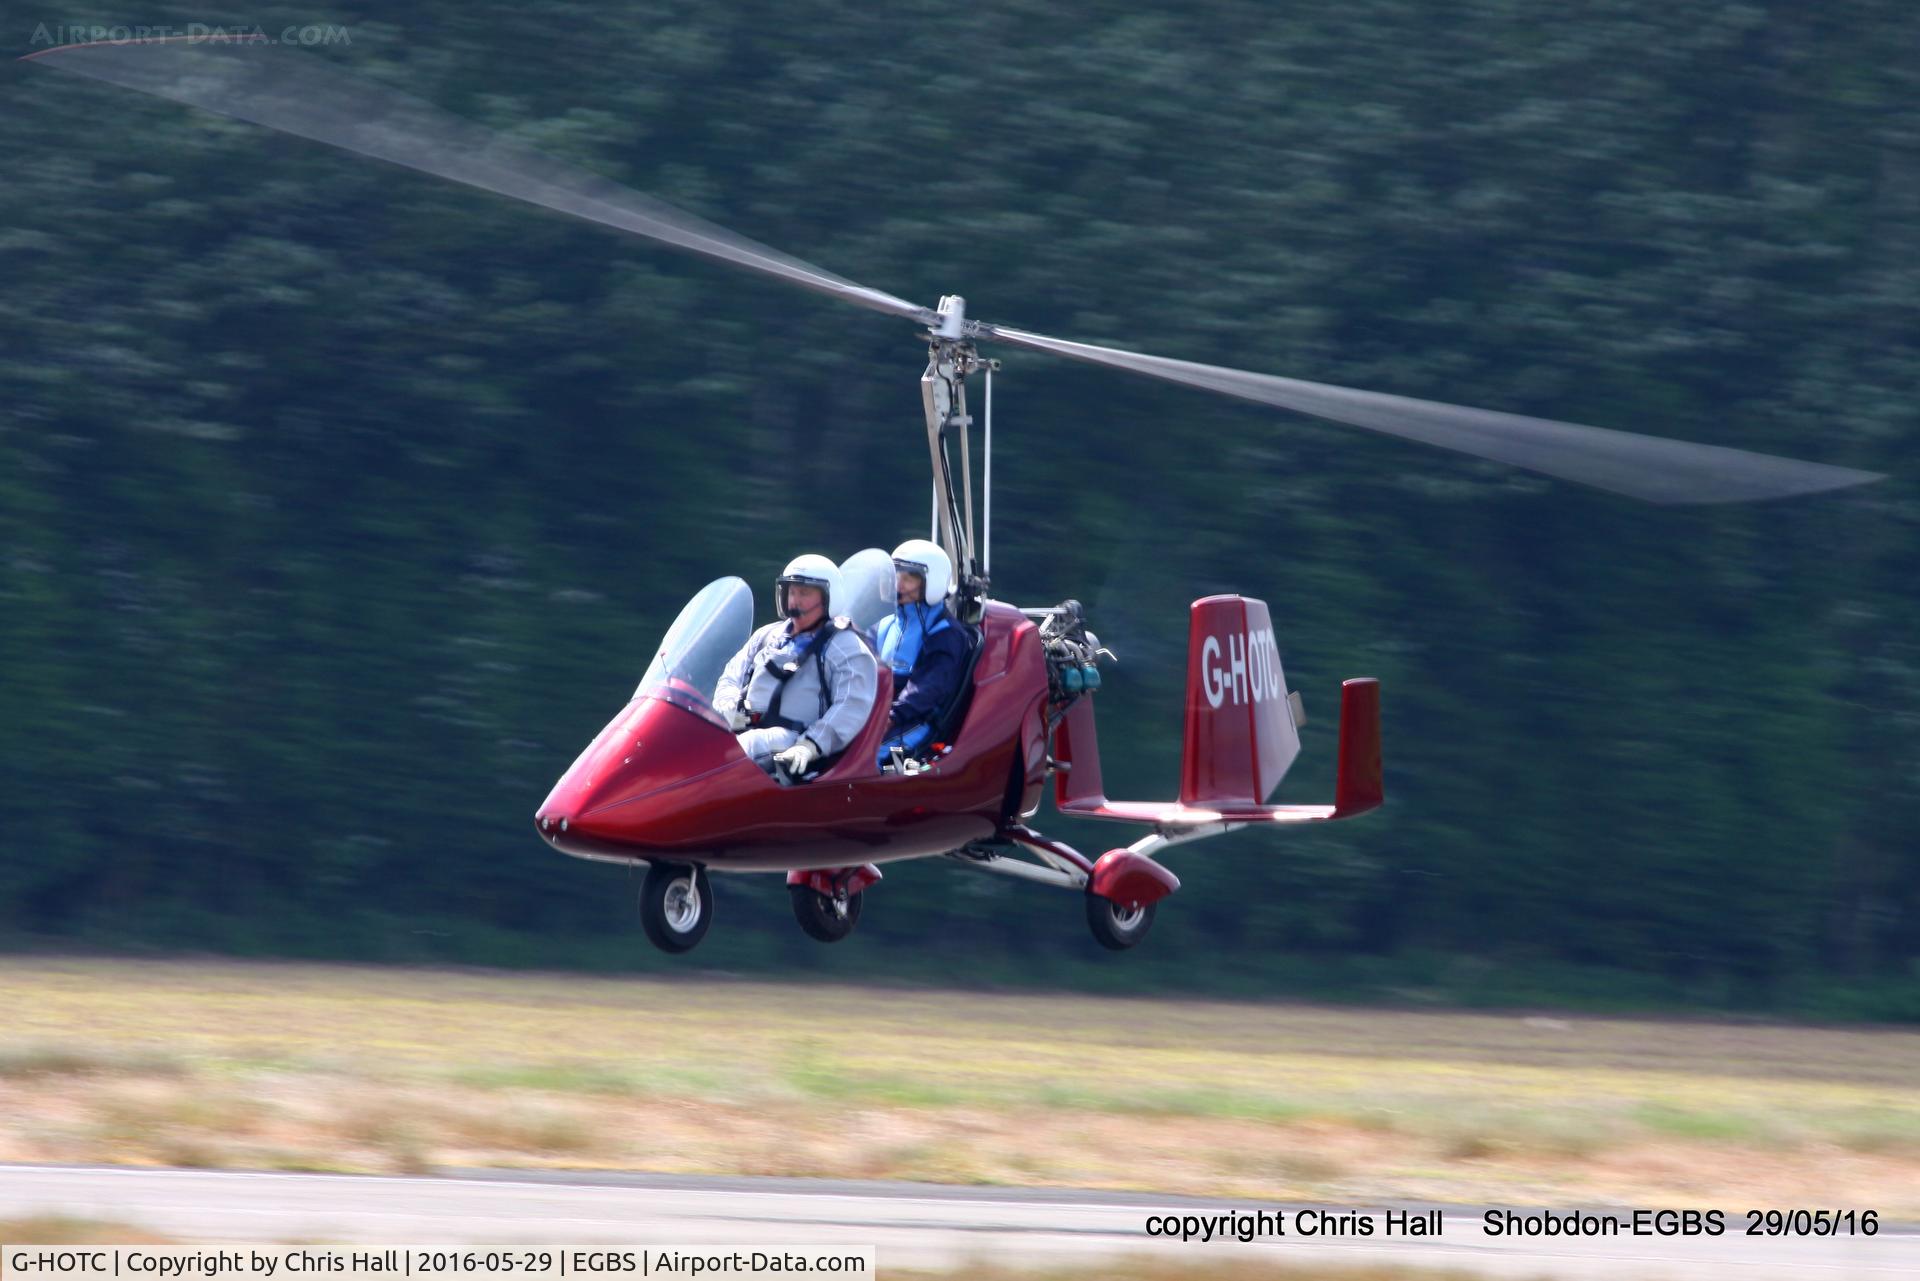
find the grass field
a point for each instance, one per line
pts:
(359, 1069)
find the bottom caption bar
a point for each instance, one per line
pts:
(433, 1263)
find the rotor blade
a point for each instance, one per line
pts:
(299, 93)
(1646, 467)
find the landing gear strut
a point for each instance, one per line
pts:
(676, 906)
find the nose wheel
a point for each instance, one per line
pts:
(676, 906)
(826, 917)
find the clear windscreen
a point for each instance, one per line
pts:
(712, 628)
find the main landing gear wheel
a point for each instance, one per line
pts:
(823, 916)
(676, 906)
(1118, 926)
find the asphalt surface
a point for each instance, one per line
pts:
(911, 1225)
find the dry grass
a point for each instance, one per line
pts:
(59, 1229)
(319, 1067)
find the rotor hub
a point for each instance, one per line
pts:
(950, 320)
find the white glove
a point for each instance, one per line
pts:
(737, 719)
(799, 758)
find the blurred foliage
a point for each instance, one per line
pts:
(339, 506)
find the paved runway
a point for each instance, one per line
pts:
(917, 1225)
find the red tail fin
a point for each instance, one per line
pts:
(1240, 732)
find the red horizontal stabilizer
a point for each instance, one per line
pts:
(1359, 786)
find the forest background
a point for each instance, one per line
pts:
(340, 506)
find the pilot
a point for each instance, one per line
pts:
(922, 643)
(801, 689)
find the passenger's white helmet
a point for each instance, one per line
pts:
(811, 570)
(931, 562)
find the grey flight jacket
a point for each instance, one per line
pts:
(852, 676)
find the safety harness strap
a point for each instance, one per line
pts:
(816, 648)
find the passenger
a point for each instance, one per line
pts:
(922, 643)
(801, 689)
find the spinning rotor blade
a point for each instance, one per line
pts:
(1645, 467)
(300, 94)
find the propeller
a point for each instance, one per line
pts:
(301, 94)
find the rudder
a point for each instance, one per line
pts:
(1240, 735)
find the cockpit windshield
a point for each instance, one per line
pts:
(712, 628)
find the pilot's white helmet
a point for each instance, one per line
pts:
(931, 562)
(811, 570)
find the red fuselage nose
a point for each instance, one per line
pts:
(653, 781)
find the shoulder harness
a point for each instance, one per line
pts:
(816, 649)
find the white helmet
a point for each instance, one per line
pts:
(810, 570)
(931, 562)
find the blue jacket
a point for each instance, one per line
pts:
(928, 653)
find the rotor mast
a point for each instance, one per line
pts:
(951, 357)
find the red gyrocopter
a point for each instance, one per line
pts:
(666, 785)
